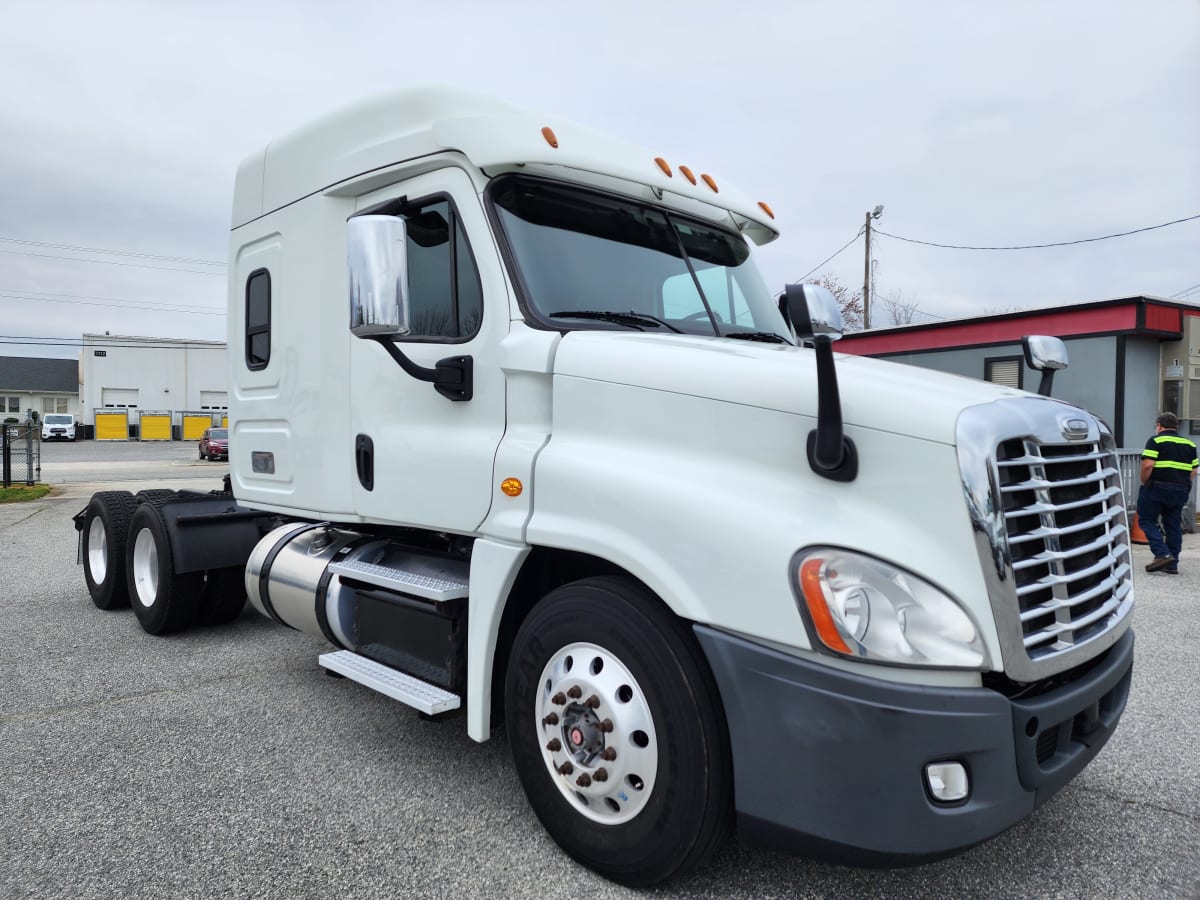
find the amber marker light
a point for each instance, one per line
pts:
(814, 599)
(763, 206)
(708, 179)
(662, 164)
(512, 487)
(687, 173)
(551, 138)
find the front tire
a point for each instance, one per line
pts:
(162, 600)
(617, 732)
(105, 529)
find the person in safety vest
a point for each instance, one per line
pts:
(1168, 467)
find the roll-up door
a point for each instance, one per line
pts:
(194, 425)
(156, 426)
(112, 425)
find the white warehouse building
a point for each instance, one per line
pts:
(151, 388)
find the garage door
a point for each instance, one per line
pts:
(194, 425)
(156, 427)
(112, 425)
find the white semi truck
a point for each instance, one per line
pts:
(518, 428)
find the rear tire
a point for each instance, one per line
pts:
(162, 600)
(105, 530)
(155, 495)
(630, 774)
(224, 595)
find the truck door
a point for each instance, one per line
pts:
(419, 458)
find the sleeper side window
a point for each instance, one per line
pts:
(258, 319)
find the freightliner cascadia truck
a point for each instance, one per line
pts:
(518, 428)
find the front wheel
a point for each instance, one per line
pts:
(617, 732)
(162, 600)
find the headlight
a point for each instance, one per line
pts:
(864, 608)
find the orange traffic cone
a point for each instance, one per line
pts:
(1135, 531)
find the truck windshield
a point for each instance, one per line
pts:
(592, 260)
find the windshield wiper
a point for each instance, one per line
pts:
(767, 337)
(631, 318)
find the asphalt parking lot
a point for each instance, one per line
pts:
(224, 763)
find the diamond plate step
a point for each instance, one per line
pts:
(428, 698)
(406, 581)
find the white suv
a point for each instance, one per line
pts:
(58, 427)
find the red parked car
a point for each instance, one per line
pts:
(215, 443)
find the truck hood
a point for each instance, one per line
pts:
(875, 394)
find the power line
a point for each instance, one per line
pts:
(1184, 292)
(182, 259)
(162, 304)
(835, 255)
(1037, 246)
(112, 262)
(76, 302)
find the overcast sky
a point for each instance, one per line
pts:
(1003, 123)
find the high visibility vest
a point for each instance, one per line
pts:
(1174, 457)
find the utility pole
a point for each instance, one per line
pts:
(874, 214)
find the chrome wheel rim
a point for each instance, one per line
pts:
(145, 567)
(596, 733)
(97, 550)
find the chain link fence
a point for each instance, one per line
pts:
(20, 454)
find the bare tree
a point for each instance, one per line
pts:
(898, 309)
(849, 301)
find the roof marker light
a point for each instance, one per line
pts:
(687, 173)
(662, 164)
(708, 179)
(551, 139)
(766, 209)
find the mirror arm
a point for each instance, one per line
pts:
(831, 454)
(452, 377)
(1046, 382)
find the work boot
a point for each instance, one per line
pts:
(1159, 563)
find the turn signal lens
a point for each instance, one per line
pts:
(551, 139)
(512, 487)
(868, 609)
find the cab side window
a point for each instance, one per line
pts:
(445, 294)
(258, 320)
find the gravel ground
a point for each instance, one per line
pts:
(224, 763)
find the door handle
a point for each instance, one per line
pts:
(364, 461)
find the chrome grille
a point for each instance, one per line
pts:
(1064, 518)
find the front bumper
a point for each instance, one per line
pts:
(831, 764)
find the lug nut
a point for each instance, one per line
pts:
(566, 768)
(608, 754)
(600, 775)
(558, 699)
(554, 746)
(606, 726)
(575, 693)
(551, 719)
(584, 780)
(592, 702)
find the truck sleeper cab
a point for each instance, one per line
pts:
(518, 428)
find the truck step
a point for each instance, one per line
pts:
(409, 580)
(428, 698)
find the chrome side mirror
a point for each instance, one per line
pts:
(812, 311)
(1046, 354)
(377, 263)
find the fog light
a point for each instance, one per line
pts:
(947, 781)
